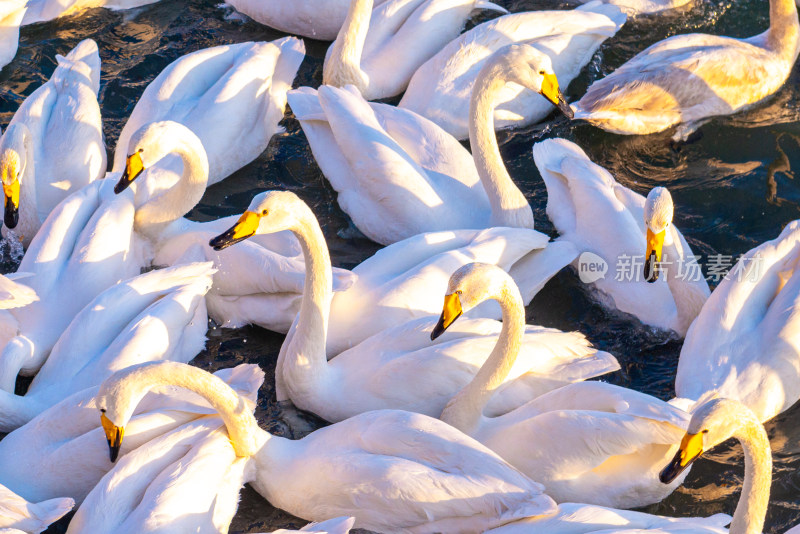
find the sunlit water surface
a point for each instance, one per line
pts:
(734, 187)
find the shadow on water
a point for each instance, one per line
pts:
(734, 188)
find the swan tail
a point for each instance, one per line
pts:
(343, 279)
(534, 269)
(339, 525)
(305, 104)
(15, 295)
(50, 511)
(246, 379)
(483, 4)
(617, 16)
(83, 61)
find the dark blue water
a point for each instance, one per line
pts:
(733, 188)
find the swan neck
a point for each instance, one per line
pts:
(465, 409)
(234, 410)
(157, 212)
(19, 139)
(752, 508)
(784, 30)
(687, 295)
(509, 205)
(306, 354)
(344, 64)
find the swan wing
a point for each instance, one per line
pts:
(17, 513)
(399, 471)
(14, 294)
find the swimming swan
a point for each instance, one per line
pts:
(317, 19)
(258, 283)
(44, 10)
(378, 49)
(18, 515)
(54, 144)
(63, 450)
(157, 315)
(394, 471)
(11, 13)
(686, 79)
(744, 342)
(399, 175)
(375, 373)
(230, 96)
(561, 43)
(598, 215)
(712, 423)
(586, 442)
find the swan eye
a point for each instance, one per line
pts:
(458, 292)
(102, 410)
(264, 212)
(705, 431)
(541, 72)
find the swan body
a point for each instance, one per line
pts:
(375, 374)
(440, 89)
(587, 441)
(378, 49)
(743, 343)
(19, 516)
(11, 13)
(260, 282)
(85, 246)
(686, 79)
(158, 315)
(394, 186)
(393, 471)
(598, 215)
(62, 451)
(317, 19)
(185, 480)
(44, 10)
(54, 144)
(713, 422)
(230, 96)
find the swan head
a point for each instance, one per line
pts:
(152, 142)
(658, 211)
(712, 423)
(12, 168)
(531, 68)
(470, 285)
(269, 212)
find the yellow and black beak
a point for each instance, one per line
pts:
(655, 244)
(113, 435)
(691, 448)
(245, 227)
(133, 168)
(552, 93)
(450, 312)
(11, 192)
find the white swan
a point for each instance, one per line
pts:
(686, 79)
(378, 49)
(393, 471)
(562, 42)
(339, 525)
(230, 96)
(260, 282)
(54, 143)
(63, 451)
(18, 515)
(44, 10)
(158, 315)
(586, 442)
(398, 174)
(712, 423)
(375, 373)
(598, 215)
(744, 341)
(11, 13)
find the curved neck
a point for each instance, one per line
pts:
(509, 205)
(236, 412)
(752, 508)
(163, 207)
(343, 65)
(688, 296)
(305, 356)
(784, 30)
(465, 409)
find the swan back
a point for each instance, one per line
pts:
(11, 13)
(230, 96)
